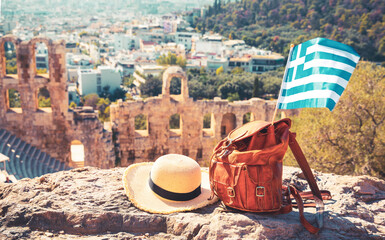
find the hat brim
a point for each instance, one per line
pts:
(135, 182)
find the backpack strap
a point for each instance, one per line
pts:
(302, 162)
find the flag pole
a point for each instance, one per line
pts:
(283, 79)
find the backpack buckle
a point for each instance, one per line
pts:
(260, 191)
(230, 141)
(230, 192)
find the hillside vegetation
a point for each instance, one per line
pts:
(274, 24)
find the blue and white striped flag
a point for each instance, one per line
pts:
(316, 74)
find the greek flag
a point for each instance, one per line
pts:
(316, 74)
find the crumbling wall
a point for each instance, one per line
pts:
(191, 139)
(49, 129)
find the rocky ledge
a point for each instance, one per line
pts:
(89, 203)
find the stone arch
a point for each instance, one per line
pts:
(169, 74)
(228, 123)
(77, 153)
(16, 41)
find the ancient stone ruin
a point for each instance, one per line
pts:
(191, 138)
(52, 129)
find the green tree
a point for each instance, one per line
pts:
(91, 100)
(175, 121)
(151, 87)
(141, 122)
(207, 120)
(351, 139)
(103, 107)
(257, 87)
(14, 98)
(171, 59)
(237, 70)
(119, 93)
(175, 86)
(44, 98)
(128, 81)
(44, 102)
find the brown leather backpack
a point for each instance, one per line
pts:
(246, 171)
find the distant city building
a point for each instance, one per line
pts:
(257, 63)
(126, 68)
(152, 69)
(156, 35)
(73, 95)
(263, 63)
(81, 61)
(208, 44)
(125, 42)
(41, 56)
(7, 26)
(72, 47)
(186, 38)
(96, 80)
(147, 46)
(215, 63)
(94, 53)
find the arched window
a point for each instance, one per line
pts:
(44, 99)
(10, 58)
(175, 121)
(41, 58)
(228, 124)
(248, 117)
(141, 125)
(175, 125)
(175, 86)
(208, 125)
(77, 154)
(13, 100)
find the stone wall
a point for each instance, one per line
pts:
(89, 203)
(49, 129)
(191, 139)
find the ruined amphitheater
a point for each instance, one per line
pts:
(38, 140)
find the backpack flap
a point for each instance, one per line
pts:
(255, 143)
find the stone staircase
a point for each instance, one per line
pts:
(26, 161)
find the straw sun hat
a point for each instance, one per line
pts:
(173, 183)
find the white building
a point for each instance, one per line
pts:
(79, 61)
(94, 53)
(126, 68)
(208, 44)
(186, 38)
(96, 80)
(72, 94)
(147, 69)
(125, 42)
(41, 56)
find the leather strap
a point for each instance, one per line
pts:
(303, 164)
(308, 195)
(302, 218)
